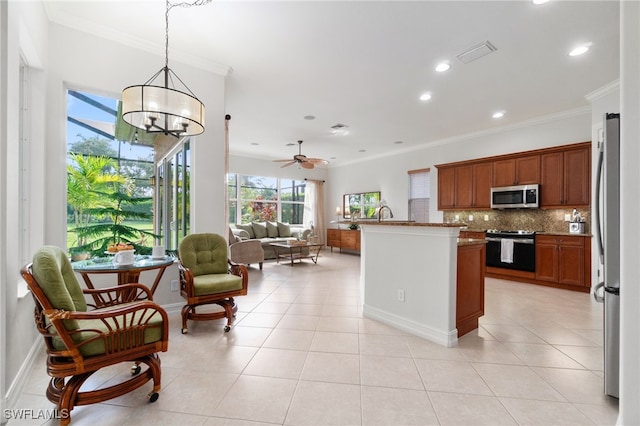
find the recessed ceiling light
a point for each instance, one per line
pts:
(309, 117)
(425, 96)
(362, 150)
(580, 50)
(539, 1)
(290, 144)
(254, 143)
(442, 67)
(498, 114)
(398, 142)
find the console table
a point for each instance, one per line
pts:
(347, 239)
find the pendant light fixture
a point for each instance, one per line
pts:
(164, 109)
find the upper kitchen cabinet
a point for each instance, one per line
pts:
(563, 172)
(516, 171)
(465, 186)
(446, 188)
(565, 179)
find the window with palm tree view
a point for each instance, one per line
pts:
(109, 194)
(262, 198)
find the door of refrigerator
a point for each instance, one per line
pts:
(611, 343)
(611, 240)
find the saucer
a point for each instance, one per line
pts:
(158, 257)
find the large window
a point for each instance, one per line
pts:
(172, 180)
(261, 198)
(109, 196)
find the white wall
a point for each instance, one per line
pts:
(23, 28)
(629, 207)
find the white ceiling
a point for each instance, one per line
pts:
(364, 64)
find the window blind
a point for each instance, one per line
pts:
(419, 195)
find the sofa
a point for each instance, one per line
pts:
(268, 232)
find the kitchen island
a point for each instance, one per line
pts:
(420, 278)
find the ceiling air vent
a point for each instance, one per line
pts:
(339, 129)
(475, 52)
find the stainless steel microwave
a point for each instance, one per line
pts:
(516, 197)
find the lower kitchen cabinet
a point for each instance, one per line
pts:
(346, 239)
(563, 260)
(470, 286)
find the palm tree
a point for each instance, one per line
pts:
(88, 175)
(118, 207)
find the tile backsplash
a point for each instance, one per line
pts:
(539, 220)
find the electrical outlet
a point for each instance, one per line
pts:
(457, 217)
(400, 295)
(567, 218)
(470, 218)
(174, 285)
(486, 218)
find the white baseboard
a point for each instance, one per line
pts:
(441, 337)
(20, 381)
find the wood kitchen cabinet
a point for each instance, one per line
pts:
(446, 188)
(516, 171)
(563, 172)
(347, 239)
(465, 186)
(565, 178)
(563, 260)
(469, 286)
(478, 235)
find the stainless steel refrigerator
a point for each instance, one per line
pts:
(607, 211)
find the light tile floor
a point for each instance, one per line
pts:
(301, 353)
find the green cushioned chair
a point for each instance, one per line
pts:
(115, 325)
(207, 276)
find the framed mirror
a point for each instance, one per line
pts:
(360, 205)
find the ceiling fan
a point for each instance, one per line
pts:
(303, 160)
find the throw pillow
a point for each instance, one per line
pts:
(246, 227)
(272, 229)
(259, 229)
(284, 230)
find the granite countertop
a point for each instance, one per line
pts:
(470, 241)
(410, 223)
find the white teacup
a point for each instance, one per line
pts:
(157, 252)
(124, 257)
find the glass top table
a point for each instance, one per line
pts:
(126, 273)
(292, 252)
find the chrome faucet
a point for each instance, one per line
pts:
(380, 212)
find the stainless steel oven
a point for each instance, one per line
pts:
(511, 250)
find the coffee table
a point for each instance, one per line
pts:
(292, 252)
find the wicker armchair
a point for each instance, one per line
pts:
(207, 276)
(118, 324)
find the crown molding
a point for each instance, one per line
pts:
(70, 21)
(605, 90)
(456, 139)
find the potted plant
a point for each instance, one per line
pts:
(79, 253)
